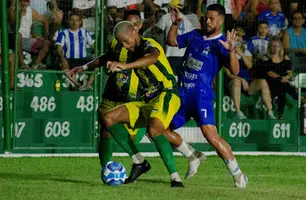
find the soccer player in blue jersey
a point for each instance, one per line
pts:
(207, 51)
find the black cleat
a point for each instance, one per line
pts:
(137, 170)
(177, 184)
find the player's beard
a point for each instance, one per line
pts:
(210, 31)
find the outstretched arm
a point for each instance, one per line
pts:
(229, 45)
(172, 34)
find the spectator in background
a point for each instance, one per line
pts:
(174, 54)
(253, 8)
(72, 45)
(294, 38)
(66, 7)
(48, 9)
(155, 32)
(279, 74)
(242, 80)
(258, 45)
(275, 18)
(28, 41)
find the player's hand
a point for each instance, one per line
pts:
(229, 44)
(175, 16)
(115, 66)
(74, 71)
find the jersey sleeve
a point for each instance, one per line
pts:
(89, 38)
(60, 40)
(184, 39)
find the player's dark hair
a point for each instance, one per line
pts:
(131, 12)
(218, 8)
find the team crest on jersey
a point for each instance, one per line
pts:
(121, 79)
(206, 51)
(194, 63)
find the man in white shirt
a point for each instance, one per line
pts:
(48, 9)
(174, 54)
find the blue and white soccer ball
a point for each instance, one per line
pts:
(113, 174)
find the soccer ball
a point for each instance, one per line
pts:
(113, 174)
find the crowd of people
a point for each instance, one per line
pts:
(67, 36)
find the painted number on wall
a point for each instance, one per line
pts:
(57, 129)
(228, 104)
(19, 126)
(43, 104)
(241, 129)
(29, 80)
(86, 103)
(281, 130)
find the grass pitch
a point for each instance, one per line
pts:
(270, 177)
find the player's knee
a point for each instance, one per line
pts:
(108, 120)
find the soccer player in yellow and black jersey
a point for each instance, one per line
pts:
(159, 105)
(152, 88)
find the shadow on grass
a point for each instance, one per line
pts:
(154, 181)
(43, 177)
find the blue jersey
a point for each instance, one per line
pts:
(258, 45)
(203, 59)
(276, 23)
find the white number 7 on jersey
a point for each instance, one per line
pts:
(205, 112)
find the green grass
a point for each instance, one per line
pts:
(270, 177)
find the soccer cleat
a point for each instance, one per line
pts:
(137, 170)
(240, 115)
(177, 184)
(241, 181)
(194, 164)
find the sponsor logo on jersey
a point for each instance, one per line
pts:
(121, 79)
(194, 63)
(191, 76)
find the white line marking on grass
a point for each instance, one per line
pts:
(149, 154)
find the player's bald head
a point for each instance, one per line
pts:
(123, 27)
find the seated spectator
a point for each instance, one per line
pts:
(11, 64)
(155, 32)
(28, 41)
(275, 19)
(174, 54)
(253, 8)
(48, 9)
(294, 39)
(72, 45)
(279, 74)
(242, 80)
(258, 45)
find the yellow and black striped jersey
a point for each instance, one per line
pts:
(122, 86)
(157, 77)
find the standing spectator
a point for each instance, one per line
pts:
(174, 54)
(275, 18)
(279, 74)
(48, 9)
(258, 45)
(242, 80)
(29, 42)
(72, 43)
(155, 32)
(253, 8)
